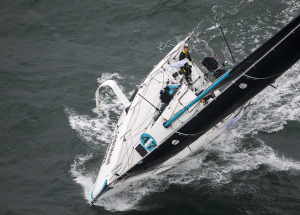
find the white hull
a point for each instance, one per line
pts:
(189, 151)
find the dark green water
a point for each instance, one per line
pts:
(53, 56)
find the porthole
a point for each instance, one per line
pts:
(175, 142)
(243, 86)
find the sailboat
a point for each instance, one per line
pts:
(169, 118)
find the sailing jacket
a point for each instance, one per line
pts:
(183, 55)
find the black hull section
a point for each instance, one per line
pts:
(266, 64)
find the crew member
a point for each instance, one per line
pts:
(187, 69)
(166, 95)
(168, 92)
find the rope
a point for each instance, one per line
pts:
(183, 134)
(256, 78)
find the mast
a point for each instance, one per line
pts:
(227, 43)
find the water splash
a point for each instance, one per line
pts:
(94, 131)
(82, 176)
(98, 130)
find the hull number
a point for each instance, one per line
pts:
(148, 142)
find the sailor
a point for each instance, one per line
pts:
(186, 69)
(166, 95)
(168, 92)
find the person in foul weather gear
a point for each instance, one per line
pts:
(166, 95)
(168, 92)
(186, 69)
